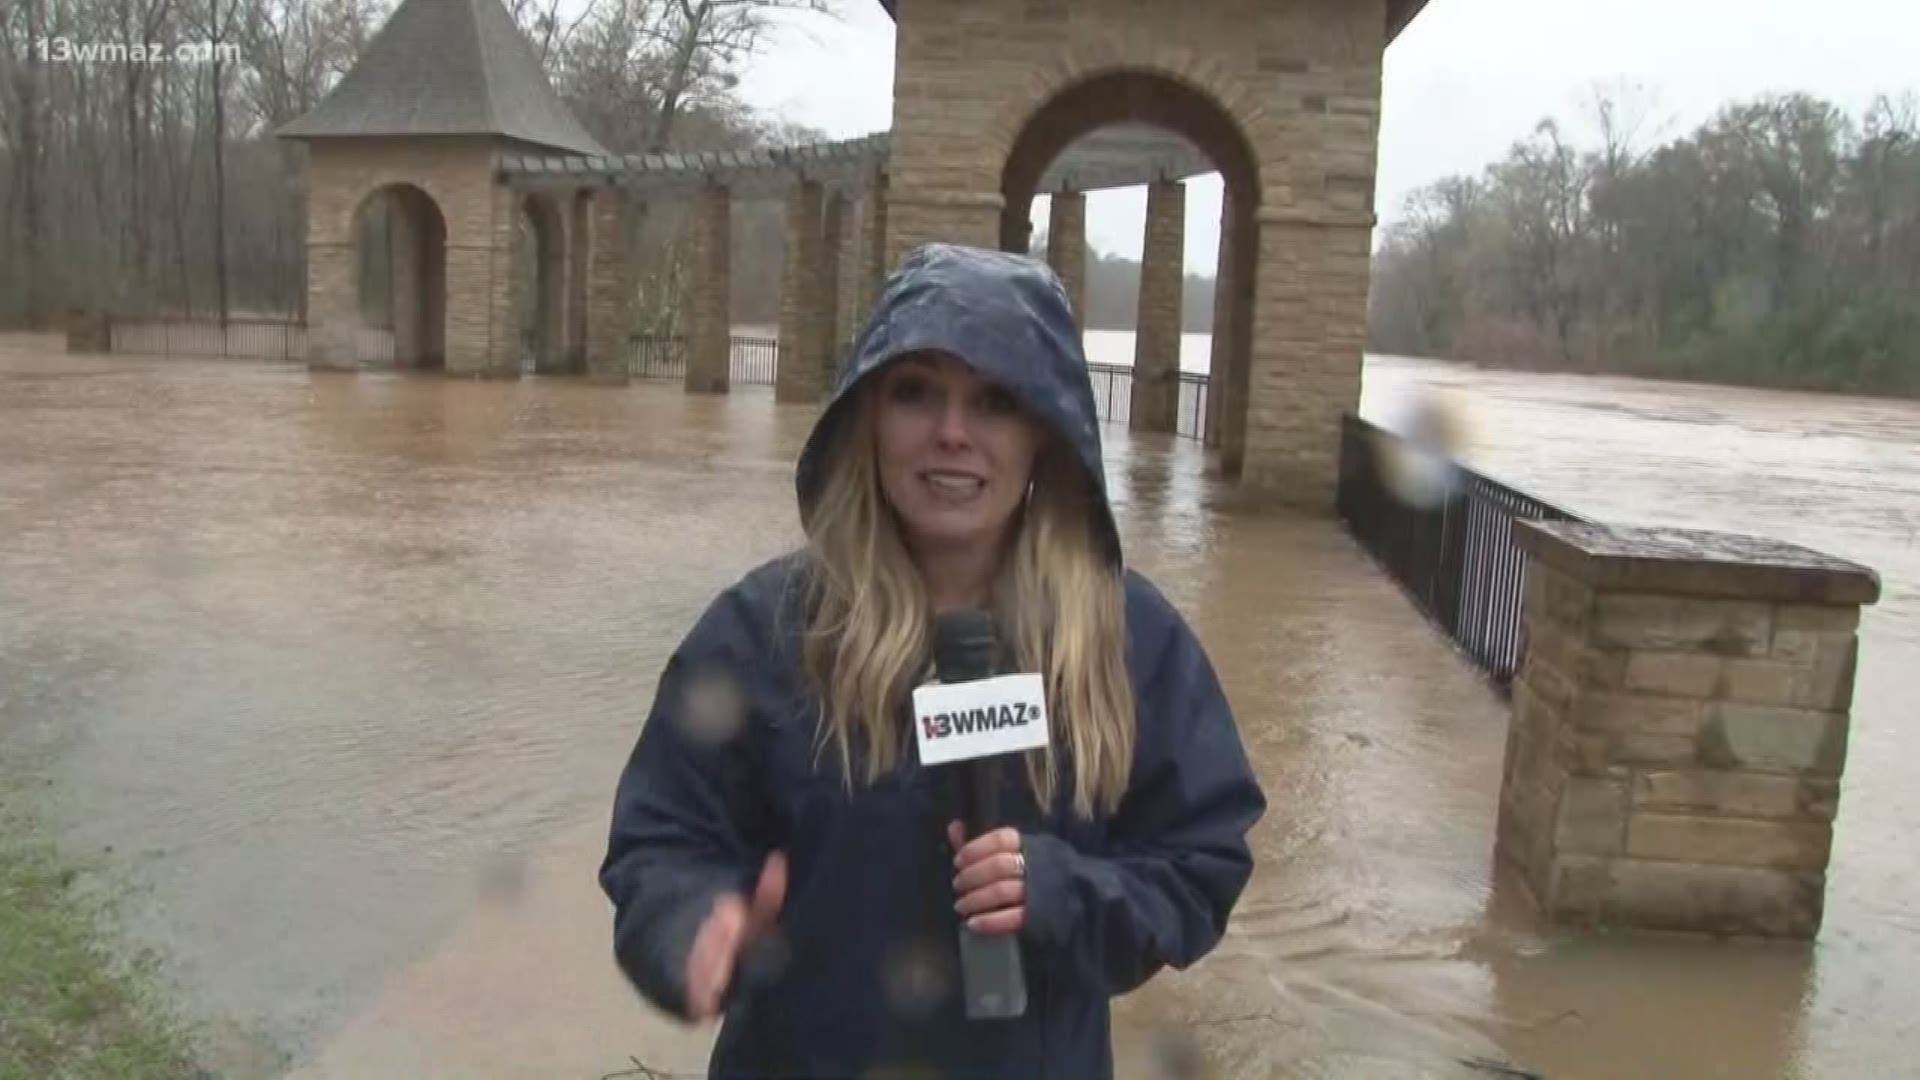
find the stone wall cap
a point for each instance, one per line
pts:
(1692, 562)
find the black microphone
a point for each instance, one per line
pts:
(965, 648)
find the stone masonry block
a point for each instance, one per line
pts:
(1646, 621)
(1819, 617)
(1642, 748)
(1803, 646)
(1741, 794)
(1592, 817)
(1683, 674)
(1642, 713)
(1763, 682)
(1726, 900)
(1578, 887)
(1774, 739)
(1725, 841)
(1559, 597)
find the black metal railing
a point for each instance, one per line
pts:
(751, 361)
(1113, 398)
(250, 338)
(1454, 553)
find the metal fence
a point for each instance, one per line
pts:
(252, 339)
(1456, 559)
(1113, 398)
(751, 361)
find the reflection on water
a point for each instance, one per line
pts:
(343, 668)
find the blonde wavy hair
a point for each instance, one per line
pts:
(1059, 599)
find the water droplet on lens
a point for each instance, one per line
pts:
(713, 709)
(917, 976)
(503, 879)
(1177, 1056)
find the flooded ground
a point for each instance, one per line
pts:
(335, 673)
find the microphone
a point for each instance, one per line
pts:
(965, 649)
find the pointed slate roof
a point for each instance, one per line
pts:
(447, 67)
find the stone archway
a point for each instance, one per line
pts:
(400, 247)
(1143, 96)
(540, 285)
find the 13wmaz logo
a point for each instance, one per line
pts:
(968, 721)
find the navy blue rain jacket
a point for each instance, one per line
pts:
(861, 977)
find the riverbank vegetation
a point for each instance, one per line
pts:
(68, 1010)
(1776, 245)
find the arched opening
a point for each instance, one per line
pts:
(401, 241)
(1144, 97)
(539, 285)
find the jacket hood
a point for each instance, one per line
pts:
(1007, 317)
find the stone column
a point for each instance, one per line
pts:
(1221, 354)
(797, 376)
(922, 215)
(873, 249)
(1246, 247)
(1679, 728)
(333, 305)
(826, 320)
(485, 286)
(612, 284)
(710, 318)
(1156, 355)
(1309, 326)
(846, 321)
(406, 246)
(579, 253)
(1067, 247)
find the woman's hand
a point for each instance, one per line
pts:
(732, 923)
(990, 880)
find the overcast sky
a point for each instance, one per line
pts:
(1462, 84)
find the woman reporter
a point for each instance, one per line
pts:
(778, 853)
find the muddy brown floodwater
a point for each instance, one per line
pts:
(333, 676)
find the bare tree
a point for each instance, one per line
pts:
(704, 41)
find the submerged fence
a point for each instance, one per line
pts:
(1454, 554)
(249, 339)
(751, 361)
(1113, 398)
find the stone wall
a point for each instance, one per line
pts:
(456, 174)
(1295, 83)
(1679, 728)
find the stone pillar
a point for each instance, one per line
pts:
(1156, 356)
(917, 216)
(1679, 728)
(612, 282)
(846, 319)
(333, 305)
(88, 331)
(1309, 326)
(797, 376)
(1067, 247)
(405, 266)
(710, 317)
(1245, 230)
(826, 321)
(873, 249)
(1225, 288)
(489, 292)
(551, 222)
(579, 254)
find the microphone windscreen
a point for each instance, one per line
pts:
(964, 643)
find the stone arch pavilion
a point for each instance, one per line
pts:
(511, 233)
